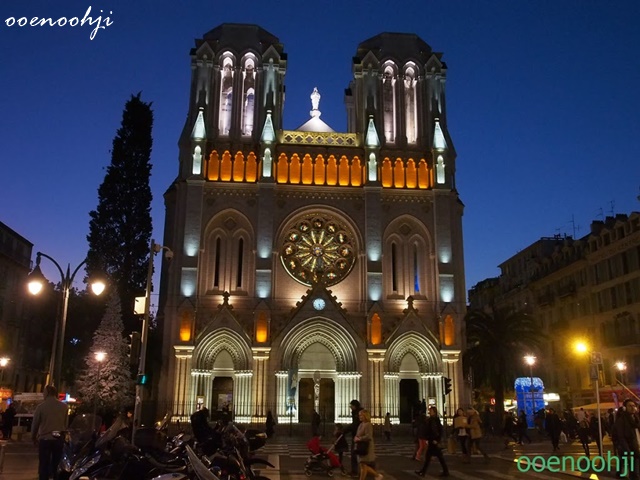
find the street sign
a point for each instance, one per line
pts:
(593, 372)
(596, 358)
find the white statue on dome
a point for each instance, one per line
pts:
(315, 102)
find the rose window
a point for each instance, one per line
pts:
(318, 249)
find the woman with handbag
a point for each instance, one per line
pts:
(365, 447)
(461, 432)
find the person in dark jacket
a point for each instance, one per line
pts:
(626, 431)
(434, 436)
(7, 421)
(270, 424)
(553, 425)
(352, 429)
(522, 428)
(315, 424)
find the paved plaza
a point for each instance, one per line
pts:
(288, 454)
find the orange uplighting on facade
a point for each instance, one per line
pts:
(186, 325)
(449, 331)
(262, 331)
(376, 329)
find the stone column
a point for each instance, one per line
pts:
(282, 395)
(347, 389)
(377, 402)
(242, 396)
(392, 395)
(259, 399)
(182, 404)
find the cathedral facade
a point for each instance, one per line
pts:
(313, 267)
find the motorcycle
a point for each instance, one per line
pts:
(79, 441)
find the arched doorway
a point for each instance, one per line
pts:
(409, 398)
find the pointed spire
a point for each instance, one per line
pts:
(315, 102)
(439, 142)
(199, 132)
(268, 133)
(372, 140)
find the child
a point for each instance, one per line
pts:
(314, 447)
(341, 444)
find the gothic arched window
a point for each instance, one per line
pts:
(248, 96)
(411, 116)
(226, 96)
(389, 103)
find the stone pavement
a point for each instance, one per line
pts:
(21, 458)
(19, 462)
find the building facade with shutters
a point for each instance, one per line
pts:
(579, 290)
(313, 267)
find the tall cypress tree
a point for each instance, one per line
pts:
(120, 228)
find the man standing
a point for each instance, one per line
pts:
(554, 428)
(49, 419)
(434, 435)
(626, 431)
(353, 428)
(7, 421)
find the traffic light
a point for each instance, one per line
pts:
(134, 348)
(447, 385)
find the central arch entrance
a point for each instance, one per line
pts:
(323, 355)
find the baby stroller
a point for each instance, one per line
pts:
(321, 460)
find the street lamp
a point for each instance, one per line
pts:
(621, 367)
(594, 370)
(531, 360)
(100, 357)
(142, 376)
(36, 281)
(4, 361)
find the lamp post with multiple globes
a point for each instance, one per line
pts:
(36, 281)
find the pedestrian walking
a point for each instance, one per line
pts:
(461, 433)
(270, 424)
(627, 431)
(49, 420)
(434, 436)
(583, 435)
(475, 433)
(355, 407)
(422, 434)
(594, 430)
(7, 421)
(341, 445)
(553, 425)
(364, 435)
(387, 426)
(522, 428)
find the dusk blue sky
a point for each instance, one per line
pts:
(543, 104)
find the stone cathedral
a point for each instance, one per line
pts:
(312, 267)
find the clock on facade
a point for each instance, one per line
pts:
(318, 304)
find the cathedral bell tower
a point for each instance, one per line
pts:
(237, 76)
(399, 82)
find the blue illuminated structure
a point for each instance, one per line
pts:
(526, 401)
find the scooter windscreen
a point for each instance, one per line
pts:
(202, 472)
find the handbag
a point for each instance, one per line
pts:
(451, 444)
(362, 447)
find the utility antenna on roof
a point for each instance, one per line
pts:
(612, 204)
(576, 228)
(600, 214)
